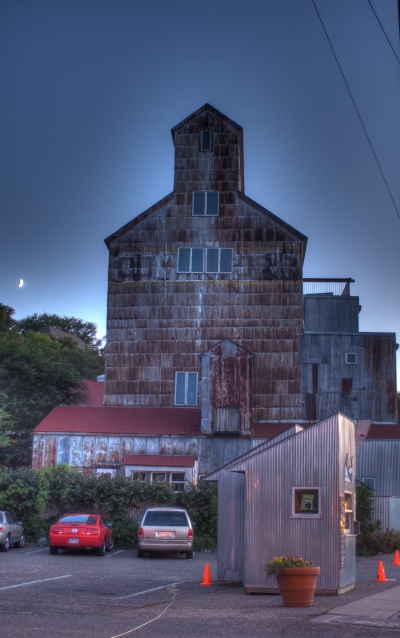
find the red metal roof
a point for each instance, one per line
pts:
(77, 419)
(384, 431)
(166, 460)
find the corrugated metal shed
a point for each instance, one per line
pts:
(317, 461)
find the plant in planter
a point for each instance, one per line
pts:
(296, 579)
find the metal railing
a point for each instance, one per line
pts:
(338, 287)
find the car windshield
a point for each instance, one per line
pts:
(165, 519)
(84, 518)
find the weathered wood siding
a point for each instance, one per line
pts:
(160, 320)
(364, 390)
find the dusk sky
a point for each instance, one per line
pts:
(90, 90)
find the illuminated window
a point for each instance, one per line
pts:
(348, 510)
(205, 203)
(186, 388)
(305, 501)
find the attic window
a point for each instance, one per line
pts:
(351, 357)
(205, 141)
(205, 203)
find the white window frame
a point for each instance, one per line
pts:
(207, 196)
(205, 260)
(306, 490)
(186, 387)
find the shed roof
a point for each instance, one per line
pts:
(79, 419)
(166, 460)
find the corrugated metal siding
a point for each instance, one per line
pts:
(313, 458)
(380, 459)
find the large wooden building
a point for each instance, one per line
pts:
(211, 324)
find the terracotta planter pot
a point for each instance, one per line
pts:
(297, 585)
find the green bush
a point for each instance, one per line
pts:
(378, 542)
(37, 498)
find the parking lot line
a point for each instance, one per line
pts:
(34, 582)
(146, 591)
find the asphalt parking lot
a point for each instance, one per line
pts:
(121, 595)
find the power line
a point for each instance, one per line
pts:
(384, 32)
(357, 111)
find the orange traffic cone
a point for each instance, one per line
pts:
(381, 578)
(396, 560)
(207, 576)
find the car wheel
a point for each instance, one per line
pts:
(189, 554)
(53, 550)
(6, 545)
(141, 553)
(22, 541)
(100, 551)
(110, 545)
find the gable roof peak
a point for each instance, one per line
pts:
(199, 112)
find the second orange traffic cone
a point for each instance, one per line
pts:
(396, 560)
(207, 575)
(381, 578)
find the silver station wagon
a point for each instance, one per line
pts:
(165, 529)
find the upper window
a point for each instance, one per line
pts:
(205, 140)
(186, 388)
(218, 260)
(205, 203)
(306, 501)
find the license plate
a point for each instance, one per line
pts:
(165, 534)
(73, 541)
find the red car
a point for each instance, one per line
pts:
(81, 531)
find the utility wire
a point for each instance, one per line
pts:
(357, 111)
(384, 32)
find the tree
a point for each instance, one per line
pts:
(36, 374)
(85, 330)
(6, 320)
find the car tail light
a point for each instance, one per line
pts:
(1, 527)
(190, 534)
(141, 532)
(56, 530)
(93, 531)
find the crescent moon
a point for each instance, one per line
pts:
(20, 283)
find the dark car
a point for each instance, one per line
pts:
(11, 532)
(81, 531)
(165, 529)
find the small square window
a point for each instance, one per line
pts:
(305, 501)
(351, 357)
(205, 203)
(205, 140)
